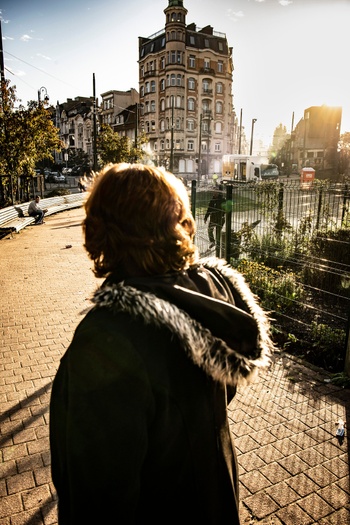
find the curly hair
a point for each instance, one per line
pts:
(138, 222)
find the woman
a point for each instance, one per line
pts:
(139, 430)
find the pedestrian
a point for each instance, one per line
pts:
(216, 214)
(138, 425)
(34, 210)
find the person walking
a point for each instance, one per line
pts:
(138, 422)
(34, 210)
(216, 214)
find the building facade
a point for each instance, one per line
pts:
(74, 119)
(119, 110)
(314, 141)
(185, 88)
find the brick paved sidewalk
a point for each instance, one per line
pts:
(293, 470)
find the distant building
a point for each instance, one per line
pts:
(119, 109)
(314, 140)
(185, 86)
(74, 119)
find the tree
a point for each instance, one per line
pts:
(27, 136)
(344, 153)
(111, 147)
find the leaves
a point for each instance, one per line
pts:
(27, 135)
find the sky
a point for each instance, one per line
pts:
(288, 55)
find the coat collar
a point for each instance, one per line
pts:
(229, 343)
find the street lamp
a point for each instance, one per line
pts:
(252, 134)
(43, 91)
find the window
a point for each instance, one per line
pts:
(162, 104)
(178, 123)
(142, 69)
(163, 41)
(155, 146)
(192, 40)
(218, 107)
(147, 87)
(162, 125)
(153, 125)
(206, 42)
(152, 47)
(178, 80)
(206, 85)
(153, 86)
(219, 88)
(173, 56)
(218, 127)
(220, 66)
(142, 91)
(162, 63)
(191, 83)
(147, 107)
(206, 63)
(206, 106)
(191, 104)
(221, 46)
(172, 80)
(162, 84)
(153, 106)
(190, 125)
(190, 145)
(217, 146)
(191, 61)
(162, 145)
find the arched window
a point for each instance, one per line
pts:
(218, 107)
(191, 104)
(191, 83)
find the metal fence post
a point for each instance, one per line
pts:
(228, 247)
(193, 197)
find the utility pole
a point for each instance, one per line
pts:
(200, 148)
(94, 124)
(2, 67)
(172, 136)
(240, 134)
(251, 136)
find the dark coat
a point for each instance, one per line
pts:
(138, 425)
(216, 210)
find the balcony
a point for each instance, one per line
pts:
(207, 92)
(207, 71)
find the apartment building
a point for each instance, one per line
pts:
(185, 89)
(74, 118)
(119, 110)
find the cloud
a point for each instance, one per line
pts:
(25, 38)
(7, 38)
(235, 15)
(43, 56)
(284, 3)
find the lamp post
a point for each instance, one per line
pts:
(43, 91)
(252, 135)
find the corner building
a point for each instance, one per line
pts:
(185, 87)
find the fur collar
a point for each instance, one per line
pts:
(212, 354)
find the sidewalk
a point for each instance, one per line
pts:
(293, 471)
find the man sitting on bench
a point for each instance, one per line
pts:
(34, 210)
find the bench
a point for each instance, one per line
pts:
(15, 218)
